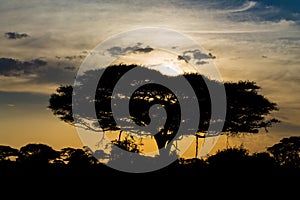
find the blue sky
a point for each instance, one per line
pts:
(44, 42)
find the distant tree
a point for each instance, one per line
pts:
(232, 158)
(37, 154)
(128, 144)
(262, 161)
(287, 152)
(7, 153)
(247, 110)
(77, 158)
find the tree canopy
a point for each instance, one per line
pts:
(247, 111)
(287, 152)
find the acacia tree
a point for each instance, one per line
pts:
(247, 109)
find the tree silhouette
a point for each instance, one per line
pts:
(287, 152)
(7, 152)
(262, 161)
(247, 110)
(230, 158)
(246, 171)
(77, 158)
(240, 159)
(61, 103)
(37, 154)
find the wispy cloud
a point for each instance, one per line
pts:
(247, 5)
(259, 11)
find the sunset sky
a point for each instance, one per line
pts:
(43, 43)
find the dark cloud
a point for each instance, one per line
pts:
(38, 71)
(118, 51)
(74, 57)
(13, 67)
(71, 68)
(196, 55)
(55, 75)
(15, 35)
(70, 58)
(143, 50)
(201, 62)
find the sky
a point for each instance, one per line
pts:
(44, 42)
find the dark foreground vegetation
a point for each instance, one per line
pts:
(40, 161)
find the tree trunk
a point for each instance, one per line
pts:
(162, 140)
(120, 135)
(196, 153)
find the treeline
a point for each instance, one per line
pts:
(40, 160)
(37, 170)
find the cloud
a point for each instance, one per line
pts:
(15, 35)
(35, 75)
(14, 67)
(143, 50)
(54, 74)
(263, 11)
(118, 51)
(71, 68)
(196, 55)
(73, 57)
(247, 6)
(244, 10)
